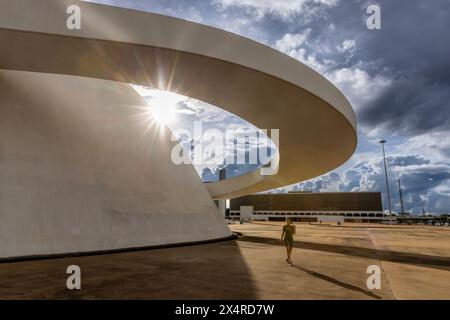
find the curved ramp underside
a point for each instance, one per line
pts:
(84, 167)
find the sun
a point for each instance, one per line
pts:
(163, 104)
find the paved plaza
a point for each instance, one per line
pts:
(330, 262)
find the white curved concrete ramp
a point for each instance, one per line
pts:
(83, 169)
(257, 83)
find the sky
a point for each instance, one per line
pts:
(396, 78)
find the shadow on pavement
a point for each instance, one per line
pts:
(435, 262)
(210, 271)
(337, 282)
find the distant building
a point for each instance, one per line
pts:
(222, 174)
(310, 207)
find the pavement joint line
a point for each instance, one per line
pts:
(381, 263)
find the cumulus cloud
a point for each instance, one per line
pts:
(189, 13)
(435, 144)
(346, 45)
(357, 84)
(282, 9)
(292, 41)
(321, 66)
(294, 46)
(359, 87)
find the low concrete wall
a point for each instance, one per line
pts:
(84, 167)
(334, 219)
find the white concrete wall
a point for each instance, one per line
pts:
(82, 169)
(246, 212)
(222, 207)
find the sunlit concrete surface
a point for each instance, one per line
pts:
(330, 262)
(85, 166)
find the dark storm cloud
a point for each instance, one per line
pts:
(410, 106)
(421, 182)
(412, 49)
(414, 46)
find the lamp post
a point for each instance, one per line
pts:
(382, 142)
(401, 195)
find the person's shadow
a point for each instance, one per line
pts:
(337, 282)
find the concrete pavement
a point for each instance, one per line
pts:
(330, 262)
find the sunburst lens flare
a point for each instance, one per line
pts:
(164, 107)
(162, 104)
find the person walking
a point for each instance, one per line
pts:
(287, 237)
